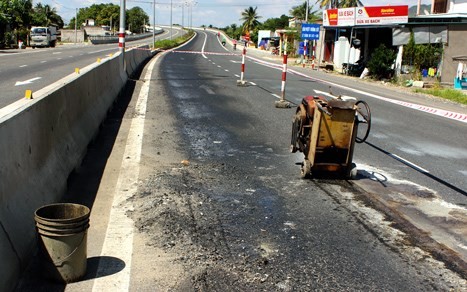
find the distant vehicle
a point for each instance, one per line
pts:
(42, 36)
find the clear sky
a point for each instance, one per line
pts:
(219, 13)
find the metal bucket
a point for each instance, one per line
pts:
(62, 230)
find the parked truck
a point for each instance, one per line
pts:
(42, 36)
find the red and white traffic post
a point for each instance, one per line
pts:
(282, 103)
(242, 82)
(304, 52)
(284, 75)
(121, 36)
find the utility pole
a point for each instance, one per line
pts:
(170, 19)
(191, 15)
(121, 34)
(154, 25)
(306, 21)
(76, 26)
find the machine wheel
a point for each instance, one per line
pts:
(363, 120)
(305, 171)
(297, 125)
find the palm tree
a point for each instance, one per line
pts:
(339, 4)
(299, 12)
(327, 3)
(45, 15)
(350, 3)
(250, 19)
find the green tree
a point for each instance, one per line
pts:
(339, 4)
(381, 61)
(15, 19)
(408, 55)
(136, 18)
(100, 13)
(44, 15)
(104, 14)
(250, 19)
(233, 31)
(327, 3)
(350, 3)
(109, 15)
(299, 12)
(421, 56)
(276, 23)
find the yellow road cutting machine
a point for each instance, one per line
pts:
(325, 130)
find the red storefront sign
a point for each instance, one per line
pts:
(339, 17)
(381, 15)
(330, 17)
(371, 15)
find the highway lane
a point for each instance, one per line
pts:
(414, 160)
(427, 149)
(235, 213)
(36, 68)
(237, 142)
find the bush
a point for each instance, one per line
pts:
(168, 44)
(422, 55)
(381, 61)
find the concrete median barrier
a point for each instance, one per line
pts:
(41, 141)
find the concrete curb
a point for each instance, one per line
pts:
(43, 140)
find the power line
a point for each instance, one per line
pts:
(218, 4)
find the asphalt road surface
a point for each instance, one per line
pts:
(34, 69)
(193, 188)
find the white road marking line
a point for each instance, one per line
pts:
(435, 111)
(218, 66)
(29, 81)
(236, 75)
(324, 93)
(275, 95)
(103, 50)
(22, 66)
(405, 161)
(43, 61)
(208, 89)
(252, 83)
(118, 241)
(226, 70)
(56, 53)
(204, 44)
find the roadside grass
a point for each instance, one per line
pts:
(168, 44)
(446, 93)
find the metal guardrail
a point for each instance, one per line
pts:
(109, 39)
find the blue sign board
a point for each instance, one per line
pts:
(310, 31)
(301, 48)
